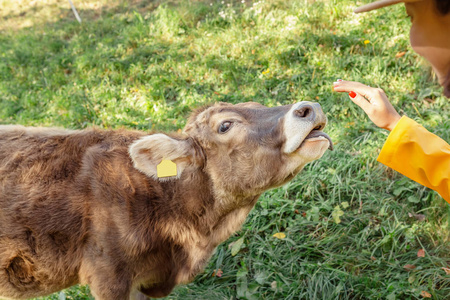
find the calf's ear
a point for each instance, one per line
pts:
(148, 152)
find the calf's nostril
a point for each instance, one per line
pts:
(304, 111)
(320, 126)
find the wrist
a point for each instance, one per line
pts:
(394, 122)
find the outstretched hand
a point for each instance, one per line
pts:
(372, 100)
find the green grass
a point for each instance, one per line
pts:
(349, 221)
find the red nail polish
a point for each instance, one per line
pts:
(352, 94)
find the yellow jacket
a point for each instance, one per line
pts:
(415, 152)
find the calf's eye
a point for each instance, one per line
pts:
(225, 126)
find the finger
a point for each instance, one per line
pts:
(362, 89)
(361, 102)
(357, 92)
(345, 82)
(348, 86)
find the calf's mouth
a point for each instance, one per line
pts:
(318, 135)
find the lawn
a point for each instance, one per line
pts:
(348, 227)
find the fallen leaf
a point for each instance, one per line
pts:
(273, 285)
(219, 273)
(418, 217)
(261, 278)
(279, 235)
(421, 253)
(400, 54)
(447, 270)
(236, 246)
(337, 214)
(409, 267)
(425, 294)
(391, 296)
(429, 100)
(373, 258)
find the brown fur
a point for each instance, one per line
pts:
(76, 208)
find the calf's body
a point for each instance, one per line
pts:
(88, 206)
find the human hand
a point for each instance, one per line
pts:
(372, 100)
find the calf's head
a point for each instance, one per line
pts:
(245, 149)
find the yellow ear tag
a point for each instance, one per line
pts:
(166, 168)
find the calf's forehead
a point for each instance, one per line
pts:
(261, 114)
(253, 113)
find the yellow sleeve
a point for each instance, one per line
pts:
(418, 154)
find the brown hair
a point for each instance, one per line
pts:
(443, 6)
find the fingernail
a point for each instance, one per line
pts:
(352, 94)
(339, 80)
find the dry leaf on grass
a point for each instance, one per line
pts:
(409, 267)
(279, 235)
(418, 217)
(400, 54)
(425, 294)
(217, 273)
(421, 253)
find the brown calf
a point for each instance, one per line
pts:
(88, 206)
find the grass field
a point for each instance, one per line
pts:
(353, 228)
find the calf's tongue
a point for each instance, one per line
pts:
(317, 133)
